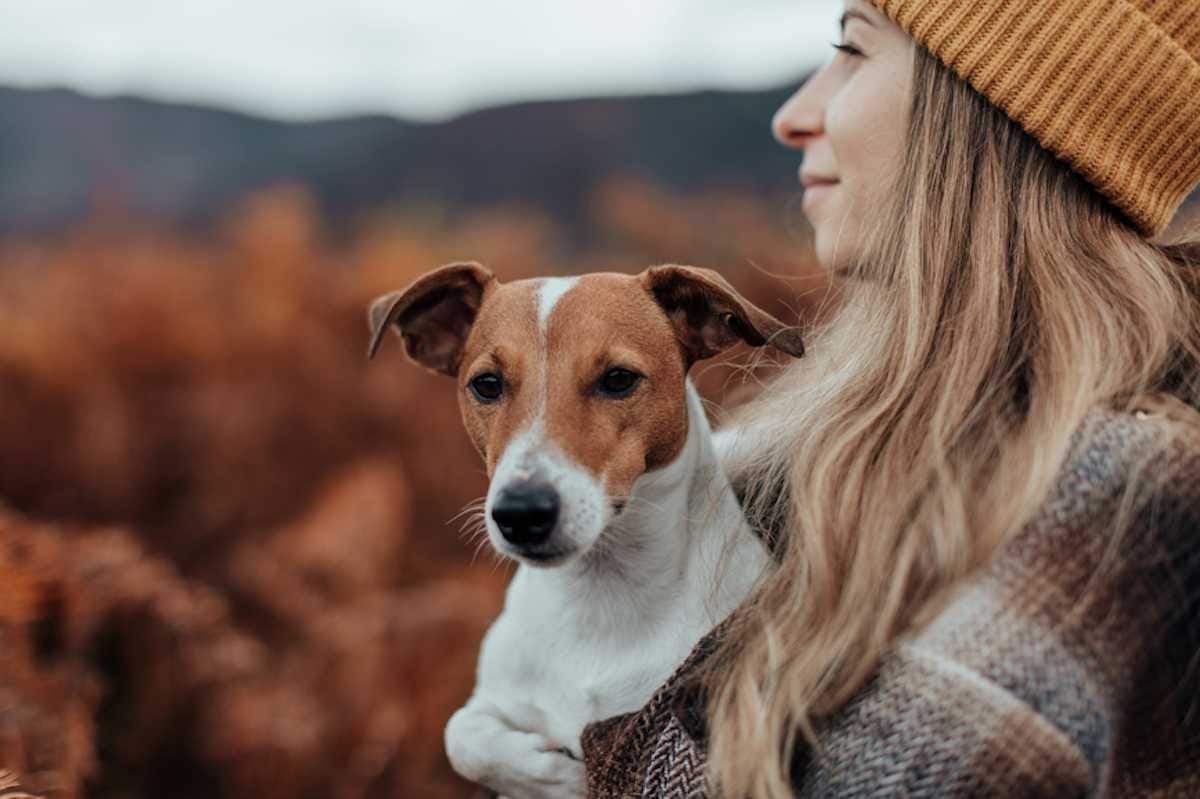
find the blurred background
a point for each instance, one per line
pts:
(230, 552)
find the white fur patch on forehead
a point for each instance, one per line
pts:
(550, 292)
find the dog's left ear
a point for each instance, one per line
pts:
(710, 316)
(434, 315)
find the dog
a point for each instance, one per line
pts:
(604, 485)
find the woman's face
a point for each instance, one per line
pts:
(851, 121)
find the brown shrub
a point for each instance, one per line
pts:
(228, 569)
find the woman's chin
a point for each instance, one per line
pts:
(834, 244)
(828, 258)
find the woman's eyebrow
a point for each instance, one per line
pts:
(858, 14)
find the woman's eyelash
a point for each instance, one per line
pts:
(848, 49)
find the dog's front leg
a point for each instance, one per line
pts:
(517, 764)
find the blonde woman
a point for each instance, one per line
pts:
(983, 483)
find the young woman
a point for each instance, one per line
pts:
(983, 483)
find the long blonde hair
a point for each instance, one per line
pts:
(1001, 300)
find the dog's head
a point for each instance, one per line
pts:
(570, 388)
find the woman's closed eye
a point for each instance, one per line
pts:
(848, 49)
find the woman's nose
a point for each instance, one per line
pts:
(799, 119)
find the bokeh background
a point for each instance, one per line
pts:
(231, 562)
(230, 552)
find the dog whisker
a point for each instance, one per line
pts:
(475, 518)
(477, 534)
(474, 506)
(479, 547)
(475, 523)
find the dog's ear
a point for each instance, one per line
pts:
(433, 315)
(710, 316)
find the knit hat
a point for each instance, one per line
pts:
(1112, 87)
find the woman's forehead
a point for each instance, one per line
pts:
(862, 7)
(871, 16)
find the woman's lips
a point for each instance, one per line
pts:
(816, 191)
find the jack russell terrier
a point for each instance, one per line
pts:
(604, 486)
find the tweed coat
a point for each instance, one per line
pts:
(1017, 689)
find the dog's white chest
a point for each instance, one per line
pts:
(552, 677)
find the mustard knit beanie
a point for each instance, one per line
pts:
(1112, 87)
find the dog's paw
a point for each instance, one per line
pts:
(555, 774)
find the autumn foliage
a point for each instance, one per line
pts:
(227, 553)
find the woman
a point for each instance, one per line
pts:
(983, 483)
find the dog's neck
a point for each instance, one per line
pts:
(671, 532)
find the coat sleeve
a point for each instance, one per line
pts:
(1067, 669)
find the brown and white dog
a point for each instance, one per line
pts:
(604, 485)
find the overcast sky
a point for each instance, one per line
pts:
(422, 59)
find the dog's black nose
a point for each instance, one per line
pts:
(526, 512)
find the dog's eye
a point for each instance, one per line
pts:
(619, 382)
(487, 387)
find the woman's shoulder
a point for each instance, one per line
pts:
(1152, 425)
(1065, 666)
(1147, 450)
(1117, 538)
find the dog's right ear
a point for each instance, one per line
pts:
(434, 315)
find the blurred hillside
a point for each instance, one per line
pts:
(229, 545)
(64, 156)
